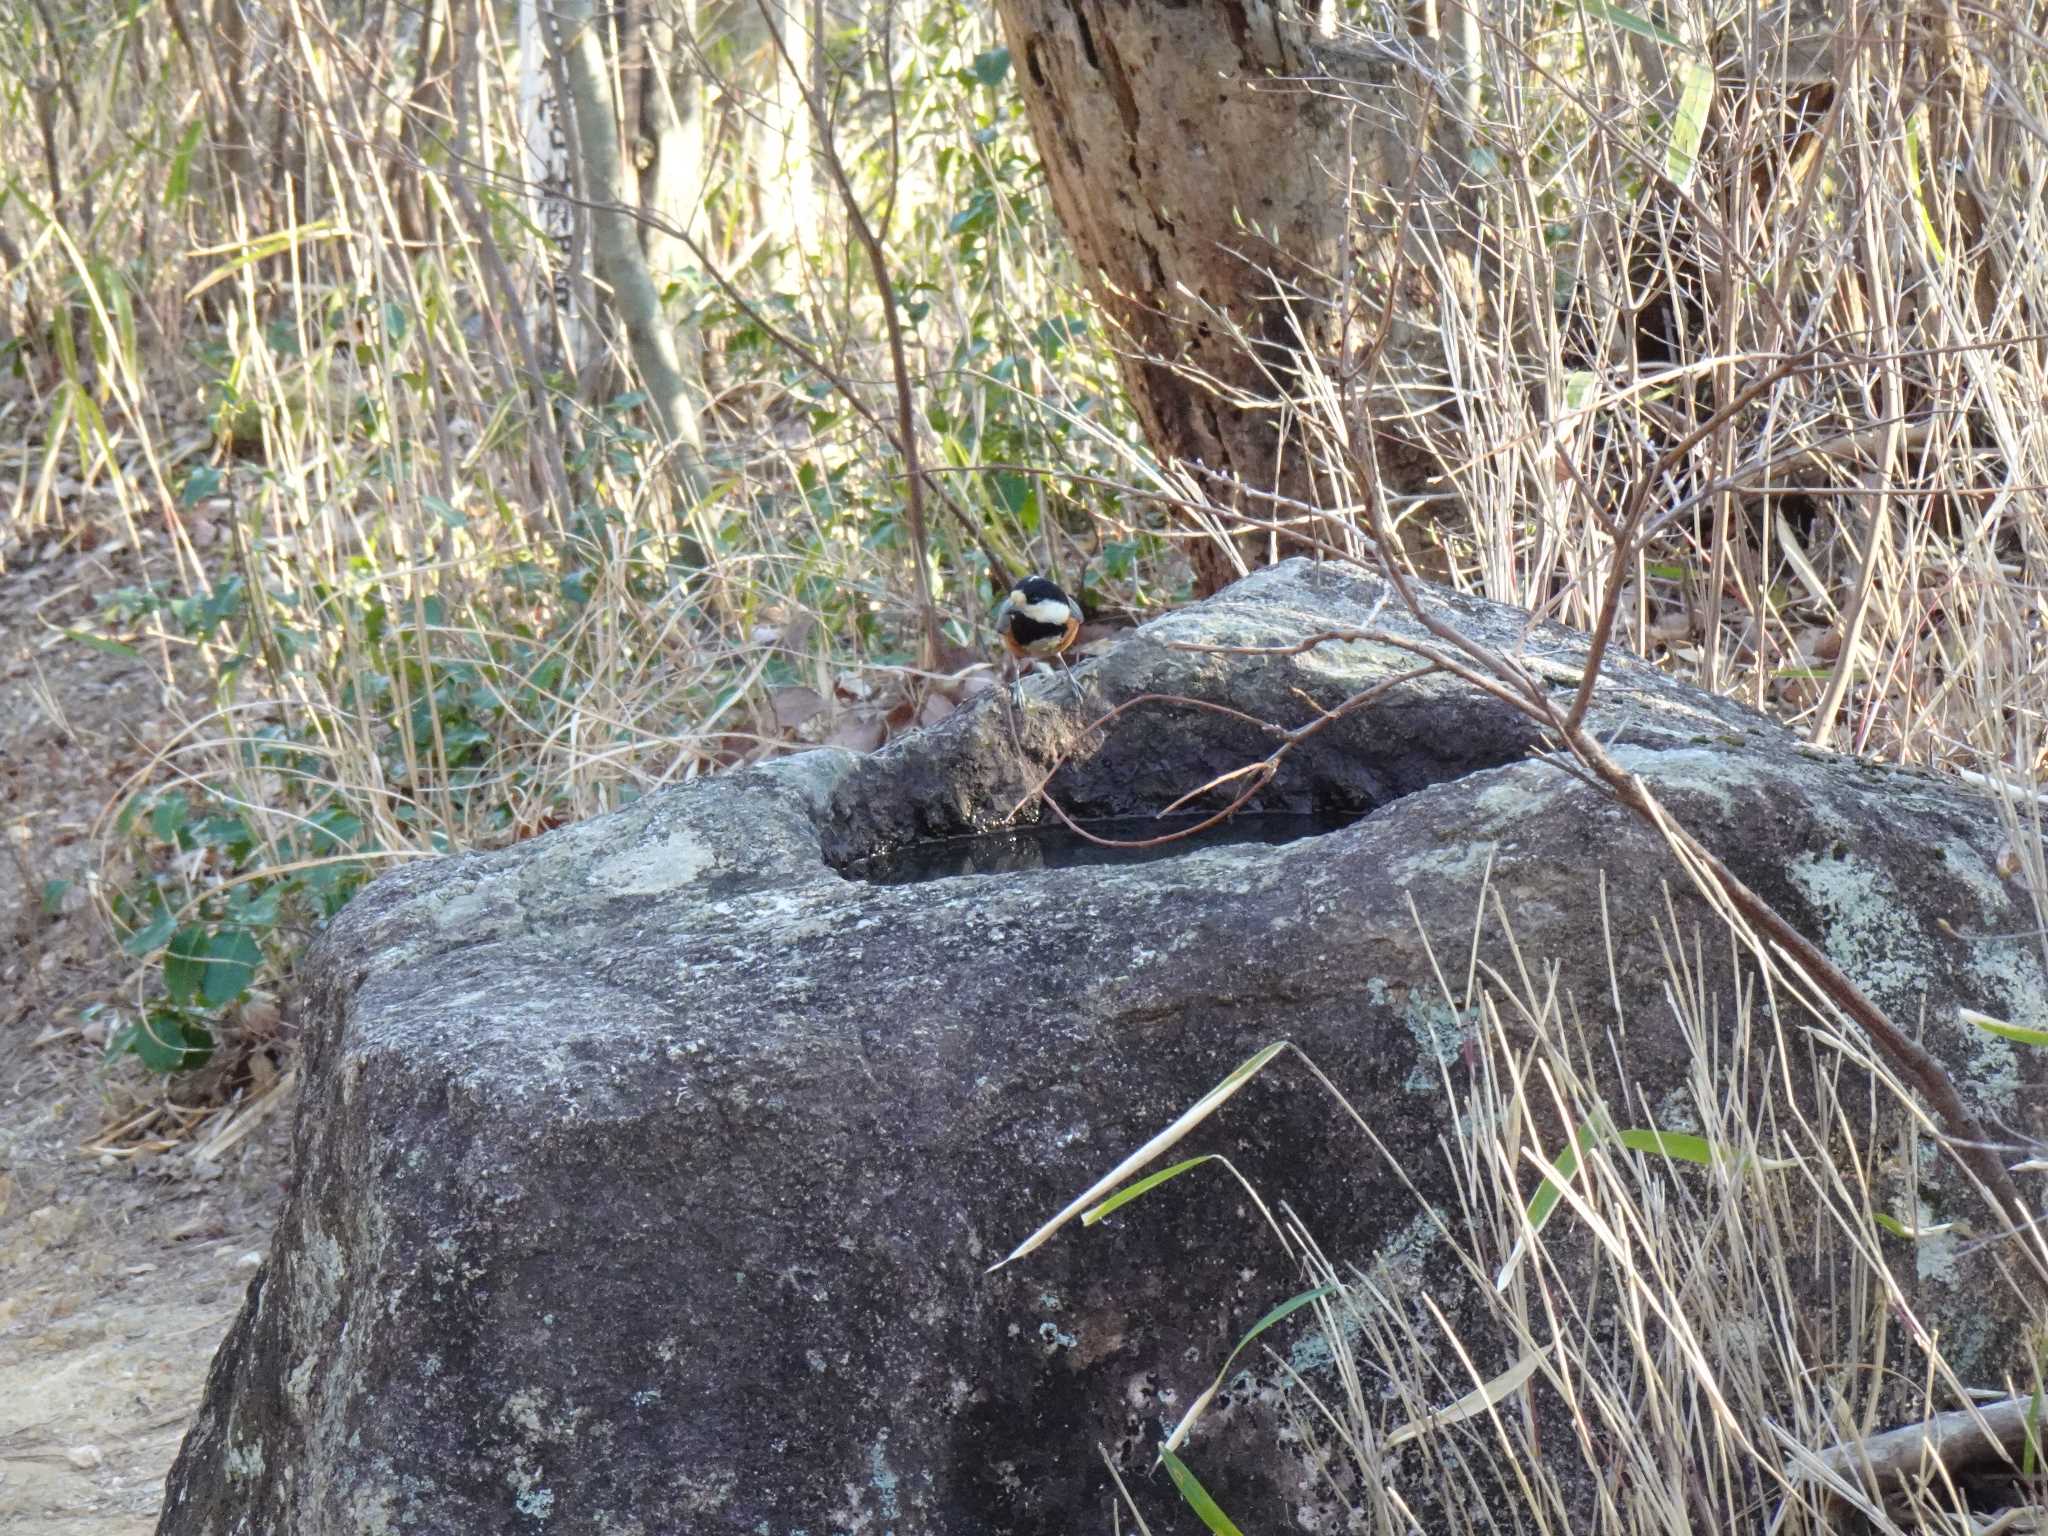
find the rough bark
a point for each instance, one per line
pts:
(621, 263)
(1197, 156)
(667, 88)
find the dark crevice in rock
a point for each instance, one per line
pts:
(1021, 850)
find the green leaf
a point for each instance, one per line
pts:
(1197, 1496)
(1131, 1192)
(167, 818)
(1916, 130)
(990, 67)
(1898, 1228)
(1286, 1309)
(53, 896)
(1682, 1145)
(207, 968)
(2003, 1030)
(1015, 493)
(1689, 122)
(185, 963)
(231, 958)
(203, 482)
(1688, 1148)
(181, 163)
(256, 904)
(102, 643)
(166, 1041)
(224, 830)
(151, 936)
(1548, 1193)
(1628, 21)
(1189, 1118)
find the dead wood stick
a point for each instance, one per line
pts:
(1959, 1440)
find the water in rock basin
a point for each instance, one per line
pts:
(1050, 845)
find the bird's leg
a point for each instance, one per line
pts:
(1072, 682)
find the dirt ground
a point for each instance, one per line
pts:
(123, 1257)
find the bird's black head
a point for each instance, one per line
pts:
(1034, 590)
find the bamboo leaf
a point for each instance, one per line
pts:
(1898, 1228)
(2003, 1030)
(1193, 1116)
(1629, 21)
(1681, 1146)
(1286, 1309)
(1197, 1496)
(1689, 122)
(246, 252)
(1480, 1399)
(1544, 1201)
(1916, 133)
(1131, 1192)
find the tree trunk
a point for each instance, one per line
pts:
(1198, 156)
(667, 114)
(621, 263)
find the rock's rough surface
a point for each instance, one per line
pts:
(648, 1172)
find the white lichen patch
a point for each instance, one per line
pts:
(651, 869)
(1510, 794)
(459, 909)
(1865, 931)
(1992, 1071)
(1677, 1111)
(1406, 1253)
(1440, 1036)
(1354, 663)
(883, 1477)
(1455, 863)
(791, 915)
(299, 1385)
(534, 1501)
(1727, 778)
(374, 1510)
(1972, 869)
(523, 1409)
(245, 1461)
(1936, 1252)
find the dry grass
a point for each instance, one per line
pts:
(1862, 549)
(1699, 1334)
(261, 294)
(266, 304)
(297, 365)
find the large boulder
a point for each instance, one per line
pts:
(648, 1174)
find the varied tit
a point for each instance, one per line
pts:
(1037, 622)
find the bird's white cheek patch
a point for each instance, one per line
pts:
(1042, 613)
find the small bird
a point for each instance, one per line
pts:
(1037, 622)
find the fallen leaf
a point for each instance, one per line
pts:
(857, 733)
(793, 706)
